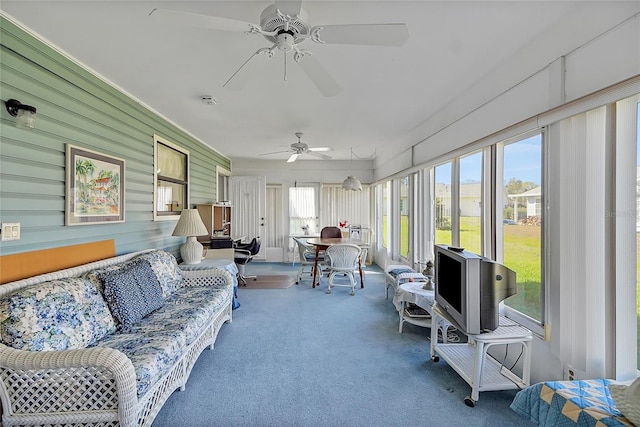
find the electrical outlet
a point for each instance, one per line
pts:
(10, 231)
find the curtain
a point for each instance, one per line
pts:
(247, 196)
(577, 253)
(339, 205)
(273, 220)
(302, 210)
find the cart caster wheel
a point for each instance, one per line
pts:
(435, 358)
(469, 402)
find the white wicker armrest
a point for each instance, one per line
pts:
(209, 277)
(42, 385)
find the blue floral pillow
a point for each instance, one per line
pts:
(132, 292)
(55, 315)
(166, 268)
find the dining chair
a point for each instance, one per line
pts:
(330, 232)
(342, 259)
(307, 255)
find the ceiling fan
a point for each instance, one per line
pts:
(283, 24)
(299, 148)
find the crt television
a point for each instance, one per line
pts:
(469, 288)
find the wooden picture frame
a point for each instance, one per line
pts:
(94, 187)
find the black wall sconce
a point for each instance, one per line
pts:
(25, 114)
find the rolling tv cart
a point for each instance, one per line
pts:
(471, 361)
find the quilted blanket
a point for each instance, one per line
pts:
(583, 403)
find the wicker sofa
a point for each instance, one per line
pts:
(107, 342)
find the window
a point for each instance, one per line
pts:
(386, 210)
(222, 180)
(171, 179)
(303, 209)
(405, 201)
(442, 194)
(522, 222)
(638, 234)
(470, 202)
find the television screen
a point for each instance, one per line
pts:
(449, 277)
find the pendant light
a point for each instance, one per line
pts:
(352, 183)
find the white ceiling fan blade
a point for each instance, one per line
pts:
(363, 34)
(176, 17)
(293, 158)
(316, 154)
(288, 7)
(319, 76)
(316, 149)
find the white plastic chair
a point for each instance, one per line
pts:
(343, 259)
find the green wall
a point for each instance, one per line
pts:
(76, 107)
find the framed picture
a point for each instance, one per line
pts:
(94, 187)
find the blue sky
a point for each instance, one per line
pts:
(522, 160)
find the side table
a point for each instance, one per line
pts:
(412, 292)
(472, 362)
(225, 264)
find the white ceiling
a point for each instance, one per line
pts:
(389, 94)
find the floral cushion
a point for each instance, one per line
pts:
(132, 292)
(166, 268)
(155, 343)
(152, 353)
(56, 315)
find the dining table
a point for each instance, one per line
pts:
(322, 243)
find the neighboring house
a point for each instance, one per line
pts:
(470, 198)
(533, 199)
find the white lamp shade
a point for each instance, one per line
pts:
(352, 183)
(190, 224)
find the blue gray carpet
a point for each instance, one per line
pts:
(301, 357)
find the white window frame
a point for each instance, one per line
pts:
(157, 139)
(220, 171)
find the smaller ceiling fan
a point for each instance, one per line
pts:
(299, 148)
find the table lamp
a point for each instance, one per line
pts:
(190, 225)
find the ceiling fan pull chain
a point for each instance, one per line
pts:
(285, 66)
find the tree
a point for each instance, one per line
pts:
(516, 186)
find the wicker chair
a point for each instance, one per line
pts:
(343, 259)
(307, 257)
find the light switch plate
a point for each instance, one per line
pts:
(10, 231)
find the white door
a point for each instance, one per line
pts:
(247, 196)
